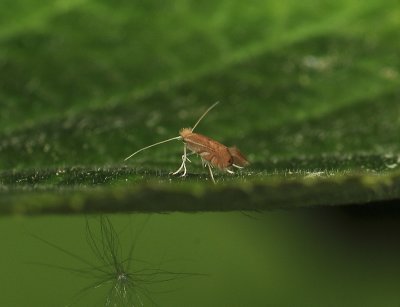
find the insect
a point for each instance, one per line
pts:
(126, 280)
(212, 153)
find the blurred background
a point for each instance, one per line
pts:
(309, 87)
(89, 82)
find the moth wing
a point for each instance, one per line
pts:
(238, 158)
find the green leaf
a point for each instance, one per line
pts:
(311, 96)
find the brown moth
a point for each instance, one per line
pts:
(211, 152)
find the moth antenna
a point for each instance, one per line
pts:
(152, 145)
(204, 114)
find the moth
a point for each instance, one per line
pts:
(213, 154)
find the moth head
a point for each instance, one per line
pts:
(185, 132)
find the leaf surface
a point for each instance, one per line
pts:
(311, 96)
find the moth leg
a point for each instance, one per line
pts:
(183, 165)
(237, 166)
(189, 154)
(211, 174)
(179, 169)
(229, 171)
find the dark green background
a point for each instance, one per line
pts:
(276, 259)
